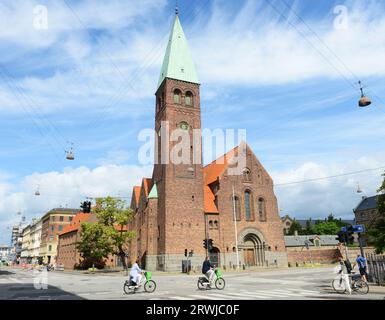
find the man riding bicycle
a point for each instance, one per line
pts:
(207, 270)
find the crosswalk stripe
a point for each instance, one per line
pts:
(207, 297)
(245, 295)
(223, 296)
(268, 295)
(180, 298)
(299, 292)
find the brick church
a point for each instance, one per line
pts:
(184, 204)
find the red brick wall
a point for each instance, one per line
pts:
(320, 256)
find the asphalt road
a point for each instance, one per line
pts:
(287, 284)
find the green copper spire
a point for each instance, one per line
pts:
(153, 193)
(177, 62)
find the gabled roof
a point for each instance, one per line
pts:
(210, 174)
(367, 204)
(146, 183)
(177, 62)
(136, 195)
(76, 222)
(299, 241)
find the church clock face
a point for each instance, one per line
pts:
(184, 125)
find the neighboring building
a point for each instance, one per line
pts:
(312, 249)
(67, 253)
(311, 241)
(25, 256)
(53, 223)
(16, 241)
(4, 253)
(286, 224)
(35, 236)
(366, 214)
(287, 221)
(181, 205)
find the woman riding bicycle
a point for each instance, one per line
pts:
(136, 273)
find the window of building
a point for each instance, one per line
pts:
(211, 225)
(52, 228)
(215, 224)
(49, 248)
(237, 206)
(261, 209)
(70, 219)
(188, 98)
(247, 174)
(60, 228)
(177, 95)
(248, 212)
(53, 218)
(61, 218)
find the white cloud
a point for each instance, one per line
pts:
(338, 195)
(66, 189)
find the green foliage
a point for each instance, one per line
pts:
(295, 226)
(109, 234)
(325, 228)
(377, 230)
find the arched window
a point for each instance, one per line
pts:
(248, 208)
(177, 95)
(261, 209)
(237, 206)
(211, 224)
(188, 98)
(215, 224)
(246, 174)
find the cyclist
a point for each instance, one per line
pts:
(207, 270)
(361, 261)
(345, 274)
(136, 273)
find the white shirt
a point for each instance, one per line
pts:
(135, 270)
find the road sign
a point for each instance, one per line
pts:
(358, 228)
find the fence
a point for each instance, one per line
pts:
(376, 268)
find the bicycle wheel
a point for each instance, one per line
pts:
(361, 287)
(339, 285)
(150, 286)
(125, 287)
(220, 283)
(200, 285)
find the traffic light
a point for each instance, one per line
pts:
(341, 237)
(185, 252)
(205, 243)
(86, 206)
(210, 244)
(349, 235)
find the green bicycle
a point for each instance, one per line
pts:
(148, 284)
(204, 283)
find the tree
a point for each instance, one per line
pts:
(109, 235)
(94, 245)
(295, 226)
(377, 230)
(325, 228)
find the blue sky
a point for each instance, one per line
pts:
(90, 78)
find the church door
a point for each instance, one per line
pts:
(249, 257)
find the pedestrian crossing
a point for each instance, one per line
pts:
(246, 295)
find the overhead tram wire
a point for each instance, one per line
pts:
(142, 69)
(331, 51)
(329, 177)
(29, 114)
(54, 132)
(312, 45)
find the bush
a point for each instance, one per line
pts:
(89, 263)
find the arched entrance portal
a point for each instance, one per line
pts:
(253, 250)
(214, 256)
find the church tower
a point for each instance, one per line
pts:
(179, 183)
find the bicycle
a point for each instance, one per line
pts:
(204, 283)
(148, 284)
(356, 283)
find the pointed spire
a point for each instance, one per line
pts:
(177, 62)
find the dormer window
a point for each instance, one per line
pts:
(177, 95)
